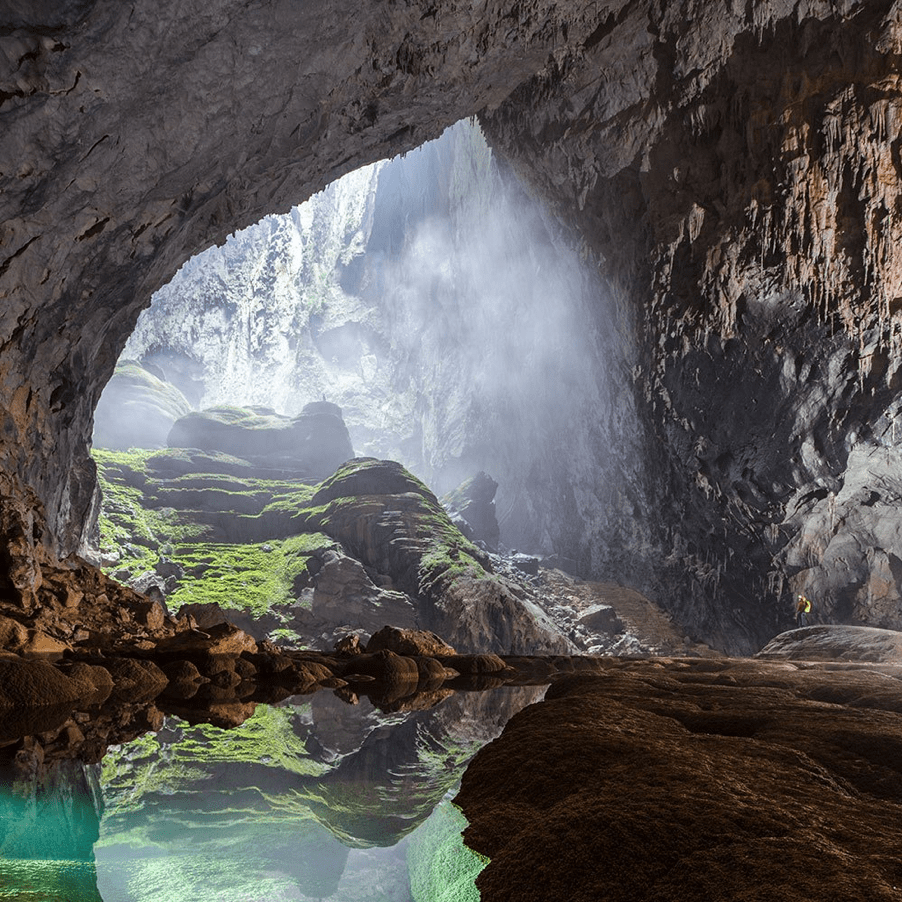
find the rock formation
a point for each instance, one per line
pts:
(138, 409)
(312, 444)
(715, 780)
(732, 171)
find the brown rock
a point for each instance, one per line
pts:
(31, 684)
(150, 614)
(73, 597)
(349, 645)
(219, 639)
(13, 635)
(408, 642)
(694, 781)
(181, 671)
(136, 678)
(387, 667)
(92, 677)
(473, 664)
(39, 643)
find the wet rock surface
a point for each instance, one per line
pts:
(715, 780)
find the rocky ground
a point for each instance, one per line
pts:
(219, 525)
(689, 779)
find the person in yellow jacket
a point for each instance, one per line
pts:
(803, 610)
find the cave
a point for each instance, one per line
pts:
(729, 172)
(736, 195)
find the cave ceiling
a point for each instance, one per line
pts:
(732, 168)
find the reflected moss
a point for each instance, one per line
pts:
(441, 867)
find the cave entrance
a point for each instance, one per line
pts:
(433, 301)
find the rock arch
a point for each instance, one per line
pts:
(735, 170)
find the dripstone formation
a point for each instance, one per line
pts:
(731, 169)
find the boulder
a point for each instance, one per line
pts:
(137, 409)
(467, 665)
(204, 615)
(696, 780)
(473, 501)
(150, 614)
(408, 642)
(601, 619)
(385, 667)
(836, 643)
(218, 639)
(135, 678)
(314, 443)
(34, 684)
(13, 635)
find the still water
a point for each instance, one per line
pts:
(310, 799)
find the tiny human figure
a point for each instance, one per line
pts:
(803, 610)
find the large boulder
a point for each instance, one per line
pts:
(137, 409)
(723, 780)
(837, 643)
(314, 443)
(396, 527)
(473, 501)
(408, 642)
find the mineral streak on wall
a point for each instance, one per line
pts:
(733, 168)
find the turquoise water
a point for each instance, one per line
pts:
(311, 799)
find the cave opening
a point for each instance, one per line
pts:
(458, 326)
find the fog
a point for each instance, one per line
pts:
(444, 310)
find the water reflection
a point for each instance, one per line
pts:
(310, 799)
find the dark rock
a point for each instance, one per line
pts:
(696, 782)
(474, 502)
(135, 679)
(525, 563)
(601, 619)
(151, 614)
(472, 664)
(387, 668)
(349, 645)
(204, 615)
(32, 684)
(393, 524)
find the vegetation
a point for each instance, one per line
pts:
(441, 867)
(254, 578)
(141, 522)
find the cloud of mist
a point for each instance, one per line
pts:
(445, 311)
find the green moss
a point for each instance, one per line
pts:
(441, 867)
(188, 759)
(253, 578)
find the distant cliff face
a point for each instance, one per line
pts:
(733, 170)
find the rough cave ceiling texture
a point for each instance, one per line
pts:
(734, 167)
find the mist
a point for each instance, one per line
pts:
(451, 318)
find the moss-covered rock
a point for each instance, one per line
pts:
(396, 526)
(314, 443)
(137, 409)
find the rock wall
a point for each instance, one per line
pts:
(737, 173)
(733, 168)
(133, 139)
